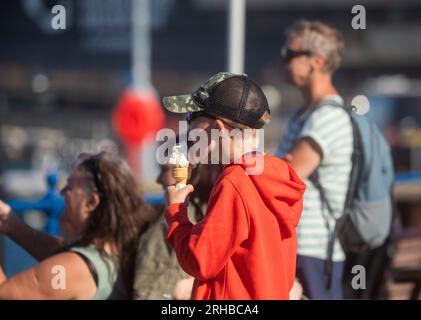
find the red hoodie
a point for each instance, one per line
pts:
(245, 247)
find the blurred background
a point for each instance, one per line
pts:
(60, 89)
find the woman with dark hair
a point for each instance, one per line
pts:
(102, 222)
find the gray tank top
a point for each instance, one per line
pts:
(109, 282)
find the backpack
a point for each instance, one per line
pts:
(367, 217)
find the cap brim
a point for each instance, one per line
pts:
(181, 104)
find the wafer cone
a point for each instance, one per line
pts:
(181, 175)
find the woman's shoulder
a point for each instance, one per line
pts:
(64, 271)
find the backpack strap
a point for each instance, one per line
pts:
(357, 153)
(353, 183)
(328, 267)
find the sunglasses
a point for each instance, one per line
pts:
(288, 54)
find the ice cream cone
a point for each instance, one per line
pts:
(180, 170)
(180, 175)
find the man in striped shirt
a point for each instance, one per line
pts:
(319, 137)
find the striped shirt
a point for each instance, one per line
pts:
(330, 127)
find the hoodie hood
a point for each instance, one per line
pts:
(280, 188)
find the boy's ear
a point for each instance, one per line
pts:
(220, 125)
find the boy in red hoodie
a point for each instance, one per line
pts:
(245, 247)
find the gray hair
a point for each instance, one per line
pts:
(319, 38)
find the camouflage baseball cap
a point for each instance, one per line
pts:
(195, 102)
(225, 94)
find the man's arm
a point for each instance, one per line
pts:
(38, 244)
(326, 129)
(305, 157)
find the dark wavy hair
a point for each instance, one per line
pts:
(121, 216)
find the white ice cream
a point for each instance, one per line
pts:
(179, 160)
(177, 157)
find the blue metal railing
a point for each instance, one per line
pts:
(408, 177)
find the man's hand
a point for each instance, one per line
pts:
(178, 196)
(5, 214)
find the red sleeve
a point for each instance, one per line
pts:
(204, 249)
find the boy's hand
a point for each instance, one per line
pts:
(178, 196)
